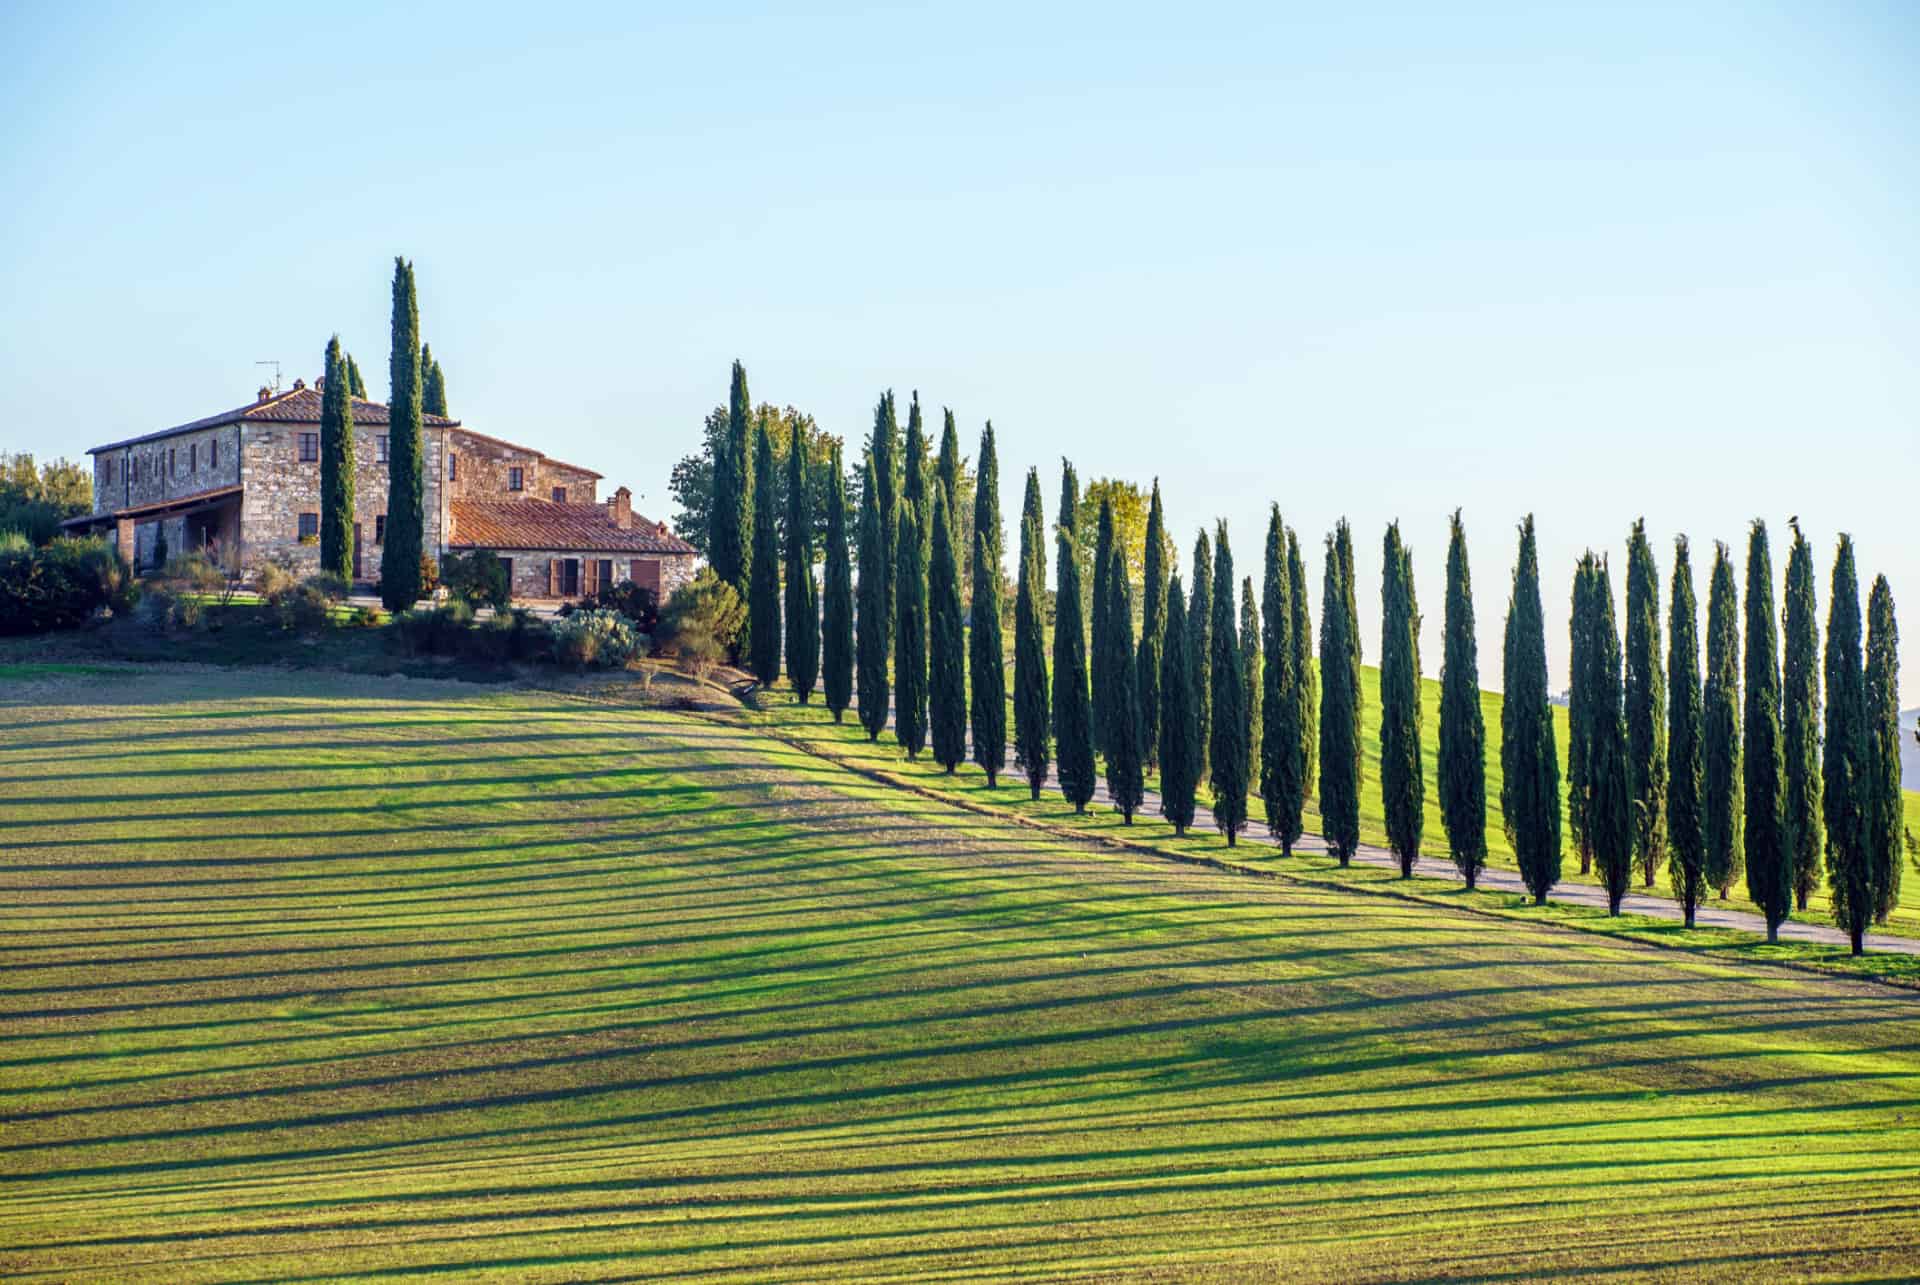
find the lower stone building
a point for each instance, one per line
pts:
(245, 484)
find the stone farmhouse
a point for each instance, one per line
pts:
(247, 480)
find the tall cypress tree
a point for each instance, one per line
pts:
(946, 471)
(1884, 805)
(884, 457)
(946, 644)
(1646, 696)
(1200, 652)
(401, 553)
(1402, 781)
(1463, 727)
(1580, 635)
(1721, 741)
(1339, 766)
(910, 633)
(1686, 766)
(433, 383)
(1228, 756)
(336, 467)
(1529, 761)
(763, 570)
(987, 664)
(1845, 768)
(1250, 667)
(1282, 759)
(1072, 705)
(801, 610)
(730, 529)
(1032, 711)
(871, 628)
(1153, 624)
(916, 466)
(837, 605)
(1305, 669)
(1125, 779)
(1800, 720)
(1179, 742)
(1343, 536)
(355, 384)
(1610, 801)
(1769, 842)
(1097, 631)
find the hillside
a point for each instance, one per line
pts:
(317, 975)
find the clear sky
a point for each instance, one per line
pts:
(1369, 261)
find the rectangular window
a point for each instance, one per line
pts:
(559, 495)
(506, 564)
(570, 577)
(514, 480)
(173, 462)
(453, 467)
(213, 453)
(605, 579)
(380, 449)
(309, 526)
(106, 471)
(193, 458)
(309, 447)
(380, 528)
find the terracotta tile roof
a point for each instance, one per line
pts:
(295, 406)
(542, 524)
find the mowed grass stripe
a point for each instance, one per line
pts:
(678, 1001)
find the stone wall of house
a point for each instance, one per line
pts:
(530, 570)
(167, 468)
(279, 487)
(482, 470)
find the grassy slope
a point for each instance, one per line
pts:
(313, 976)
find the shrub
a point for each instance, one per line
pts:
(330, 585)
(433, 631)
(478, 578)
(304, 608)
(163, 609)
(273, 577)
(366, 618)
(595, 637)
(429, 576)
(704, 617)
(62, 584)
(641, 606)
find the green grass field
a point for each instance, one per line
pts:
(313, 976)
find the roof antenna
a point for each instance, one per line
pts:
(276, 374)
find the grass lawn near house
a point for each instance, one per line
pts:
(317, 975)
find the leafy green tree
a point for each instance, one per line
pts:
(1579, 720)
(730, 536)
(1200, 650)
(1529, 762)
(1072, 705)
(1306, 670)
(1800, 720)
(1463, 726)
(987, 666)
(1646, 697)
(1231, 739)
(693, 478)
(1610, 803)
(401, 554)
(1769, 842)
(1402, 781)
(1881, 778)
(433, 383)
(763, 568)
(1339, 767)
(1721, 740)
(1032, 712)
(1686, 764)
(355, 384)
(1153, 624)
(1130, 504)
(1103, 657)
(1179, 743)
(1283, 780)
(802, 612)
(336, 467)
(946, 644)
(871, 633)
(1125, 773)
(837, 605)
(910, 633)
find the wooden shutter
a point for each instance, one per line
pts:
(553, 577)
(589, 577)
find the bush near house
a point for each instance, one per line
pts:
(641, 606)
(478, 579)
(701, 621)
(596, 637)
(63, 583)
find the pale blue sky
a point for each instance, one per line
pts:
(1376, 262)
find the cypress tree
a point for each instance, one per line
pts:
(916, 466)
(1579, 691)
(763, 569)
(1228, 758)
(730, 531)
(1610, 801)
(336, 467)
(1125, 778)
(1646, 697)
(1529, 761)
(946, 471)
(1032, 712)
(1769, 842)
(910, 633)
(1250, 667)
(884, 457)
(1179, 745)
(1721, 729)
(871, 636)
(1800, 720)
(406, 506)
(433, 383)
(1282, 758)
(1153, 623)
(1200, 650)
(1343, 534)
(1339, 767)
(1402, 781)
(1305, 669)
(837, 604)
(355, 384)
(987, 662)
(1845, 773)
(1072, 705)
(946, 644)
(1884, 805)
(1463, 727)
(1686, 769)
(1097, 631)
(801, 610)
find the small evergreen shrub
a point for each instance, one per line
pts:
(478, 578)
(595, 638)
(60, 584)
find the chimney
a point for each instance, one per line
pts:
(620, 508)
(320, 384)
(298, 384)
(265, 395)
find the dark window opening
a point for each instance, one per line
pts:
(380, 449)
(514, 480)
(193, 458)
(309, 526)
(453, 467)
(559, 495)
(213, 453)
(309, 447)
(570, 577)
(380, 528)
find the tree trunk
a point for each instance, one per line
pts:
(1540, 899)
(1689, 917)
(1859, 935)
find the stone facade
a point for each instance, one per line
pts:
(483, 467)
(546, 574)
(277, 487)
